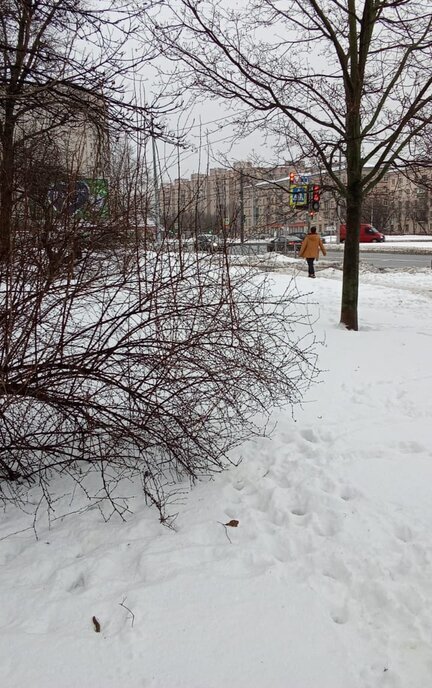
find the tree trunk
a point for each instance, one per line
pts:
(6, 186)
(349, 308)
(349, 311)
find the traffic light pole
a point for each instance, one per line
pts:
(242, 216)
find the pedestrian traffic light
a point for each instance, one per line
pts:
(316, 196)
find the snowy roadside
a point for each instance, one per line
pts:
(277, 262)
(393, 243)
(324, 583)
(417, 248)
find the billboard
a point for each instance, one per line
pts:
(84, 199)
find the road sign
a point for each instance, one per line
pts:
(298, 195)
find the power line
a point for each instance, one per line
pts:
(204, 124)
(199, 148)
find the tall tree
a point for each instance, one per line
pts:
(63, 66)
(340, 79)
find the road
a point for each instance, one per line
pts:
(387, 259)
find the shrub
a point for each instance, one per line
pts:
(153, 364)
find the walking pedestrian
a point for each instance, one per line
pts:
(310, 248)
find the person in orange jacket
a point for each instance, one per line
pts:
(310, 248)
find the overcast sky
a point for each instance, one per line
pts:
(209, 131)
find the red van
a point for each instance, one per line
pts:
(368, 234)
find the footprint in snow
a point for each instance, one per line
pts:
(78, 585)
(339, 614)
(283, 553)
(404, 533)
(299, 511)
(309, 435)
(412, 447)
(347, 493)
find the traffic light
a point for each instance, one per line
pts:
(292, 177)
(316, 196)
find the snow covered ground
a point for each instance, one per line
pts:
(403, 243)
(326, 582)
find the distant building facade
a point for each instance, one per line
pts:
(62, 157)
(223, 196)
(397, 204)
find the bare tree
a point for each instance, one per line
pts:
(131, 197)
(378, 209)
(63, 67)
(339, 80)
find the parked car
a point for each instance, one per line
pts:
(283, 244)
(328, 236)
(207, 242)
(368, 234)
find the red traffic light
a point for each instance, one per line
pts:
(292, 176)
(316, 196)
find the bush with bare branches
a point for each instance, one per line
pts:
(152, 365)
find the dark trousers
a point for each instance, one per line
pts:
(311, 269)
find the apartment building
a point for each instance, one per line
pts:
(73, 129)
(221, 198)
(408, 202)
(397, 204)
(401, 203)
(61, 158)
